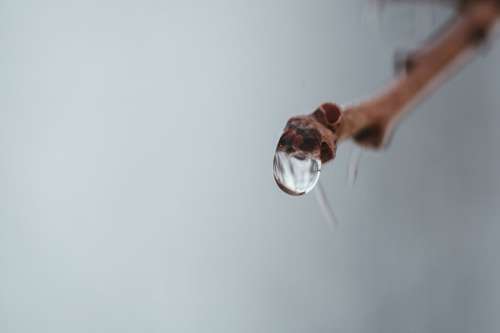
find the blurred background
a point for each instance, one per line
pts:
(136, 189)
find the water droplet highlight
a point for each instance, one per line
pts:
(295, 174)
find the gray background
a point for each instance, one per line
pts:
(136, 195)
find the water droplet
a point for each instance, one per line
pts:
(295, 174)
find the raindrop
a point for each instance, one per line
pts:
(295, 174)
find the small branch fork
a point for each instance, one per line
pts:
(371, 123)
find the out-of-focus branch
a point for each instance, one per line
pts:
(371, 123)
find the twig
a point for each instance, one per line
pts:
(371, 123)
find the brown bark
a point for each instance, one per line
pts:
(371, 123)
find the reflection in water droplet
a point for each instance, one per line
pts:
(295, 174)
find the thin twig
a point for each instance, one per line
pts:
(371, 123)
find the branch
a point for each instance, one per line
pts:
(371, 123)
